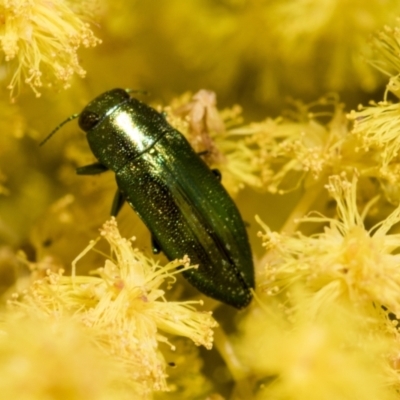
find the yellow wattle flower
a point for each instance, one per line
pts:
(123, 308)
(346, 262)
(40, 40)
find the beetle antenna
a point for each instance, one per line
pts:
(73, 116)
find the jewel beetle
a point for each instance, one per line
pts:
(178, 197)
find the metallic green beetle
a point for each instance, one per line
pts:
(182, 202)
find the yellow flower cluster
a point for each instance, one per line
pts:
(123, 309)
(42, 359)
(40, 40)
(375, 126)
(344, 261)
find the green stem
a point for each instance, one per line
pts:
(303, 207)
(239, 373)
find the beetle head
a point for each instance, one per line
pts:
(101, 107)
(95, 111)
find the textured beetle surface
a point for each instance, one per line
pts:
(176, 195)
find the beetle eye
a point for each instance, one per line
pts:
(88, 120)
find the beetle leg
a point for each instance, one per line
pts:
(118, 202)
(217, 174)
(155, 246)
(91, 169)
